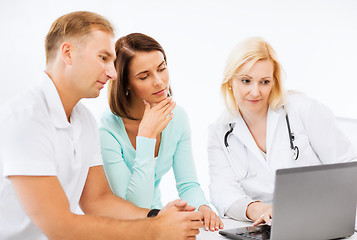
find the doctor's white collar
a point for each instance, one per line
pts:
(228, 117)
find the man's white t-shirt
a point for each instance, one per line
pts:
(37, 140)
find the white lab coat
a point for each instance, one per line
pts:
(316, 135)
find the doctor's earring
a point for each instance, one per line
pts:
(230, 88)
(127, 92)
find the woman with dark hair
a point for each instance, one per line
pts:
(146, 134)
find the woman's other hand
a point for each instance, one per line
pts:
(211, 221)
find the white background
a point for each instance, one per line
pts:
(316, 42)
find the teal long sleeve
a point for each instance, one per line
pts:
(135, 175)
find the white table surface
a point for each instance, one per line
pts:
(229, 223)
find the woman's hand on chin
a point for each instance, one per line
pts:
(156, 118)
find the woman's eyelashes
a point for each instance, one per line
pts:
(144, 77)
(161, 69)
(247, 81)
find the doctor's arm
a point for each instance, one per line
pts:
(327, 140)
(226, 192)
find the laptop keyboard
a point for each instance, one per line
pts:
(261, 232)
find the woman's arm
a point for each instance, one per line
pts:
(185, 174)
(183, 165)
(137, 184)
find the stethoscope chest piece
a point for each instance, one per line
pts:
(296, 152)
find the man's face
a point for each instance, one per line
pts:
(93, 64)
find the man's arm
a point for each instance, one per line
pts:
(45, 202)
(98, 199)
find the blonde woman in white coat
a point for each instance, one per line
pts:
(251, 140)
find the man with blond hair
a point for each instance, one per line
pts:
(50, 158)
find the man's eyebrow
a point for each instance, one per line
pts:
(106, 52)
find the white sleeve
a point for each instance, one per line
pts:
(27, 147)
(96, 159)
(238, 209)
(225, 190)
(327, 140)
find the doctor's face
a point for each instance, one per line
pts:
(251, 87)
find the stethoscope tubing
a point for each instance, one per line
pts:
(293, 148)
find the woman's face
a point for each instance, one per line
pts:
(251, 88)
(148, 77)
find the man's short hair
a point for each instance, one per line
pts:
(75, 25)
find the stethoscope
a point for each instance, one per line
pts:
(294, 149)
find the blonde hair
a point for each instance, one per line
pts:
(249, 52)
(75, 25)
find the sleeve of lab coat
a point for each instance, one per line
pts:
(327, 140)
(225, 190)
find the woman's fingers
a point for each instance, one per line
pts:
(164, 107)
(156, 118)
(147, 107)
(166, 121)
(211, 221)
(206, 220)
(170, 108)
(219, 224)
(163, 103)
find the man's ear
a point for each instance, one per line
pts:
(67, 52)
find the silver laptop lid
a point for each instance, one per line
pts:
(315, 202)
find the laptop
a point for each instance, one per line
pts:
(315, 202)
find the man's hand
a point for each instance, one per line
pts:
(179, 204)
(177, 221)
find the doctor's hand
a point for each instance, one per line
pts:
(156, 118)
(211, 221)
(260, 212)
